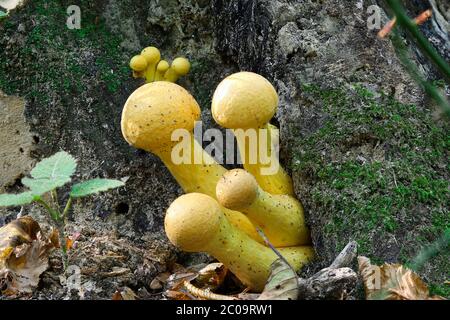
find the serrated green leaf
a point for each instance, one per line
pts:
(9, 200)
(60, 165)
(94, 186)
(41, 186)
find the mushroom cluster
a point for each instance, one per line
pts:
(223, 208)
(148, 65)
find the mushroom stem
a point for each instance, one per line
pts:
(279, 216)
(268, 171)
(153, 56)
(151, 116)
(161, 69)
(195, 223)
(245, 102)
(202, 177)
(180, 67)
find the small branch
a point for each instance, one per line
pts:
(335, 282)
(346, 257)
(205, 294)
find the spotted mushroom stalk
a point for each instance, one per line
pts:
(151, 115)
(246, 100)
(279, 216)
(195, 223)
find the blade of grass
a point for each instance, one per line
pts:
(426, 48)
(402, 53)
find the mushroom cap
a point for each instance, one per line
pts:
(163, 66)
(181, 66)
(192, 221)
(138, 63)
(154, 111)
(151, 54)
(244, 100)
(237, 189)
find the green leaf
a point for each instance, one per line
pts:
(94, 186)
(282, 283)
(3, 15)
(41, 186)
(9, 200)
(59, 166)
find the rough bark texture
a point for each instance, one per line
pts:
(367, 164)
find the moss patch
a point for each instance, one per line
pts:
(376, 172)
(51, 52)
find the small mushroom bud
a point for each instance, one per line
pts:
(195, 223)
(161, 69)
(152, 56)
(279, 216)
(180, 67)
(138, 63)
(151, 115)
(246, 100)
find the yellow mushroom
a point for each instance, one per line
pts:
(152, 56)
(161, 69)
(279, 216)
(151, 115)
(138, 63)
(195, 223)
(246, 100)
(180, 67)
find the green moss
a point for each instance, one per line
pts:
(62, 69)
(376, 169)
(440, 290)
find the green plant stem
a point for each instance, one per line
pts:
(426, 48)
(67, 208)
(412, 69)
(54, 195)
(60, 225)
(427, 253)
(53, 214)
(63, 244)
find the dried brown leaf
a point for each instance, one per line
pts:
(205, 279)
(392, 282)
(23, 256)
(211, 277)
(176, 295)
(124, 293)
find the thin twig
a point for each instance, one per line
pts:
(267, 242)
(205, 294)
